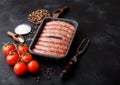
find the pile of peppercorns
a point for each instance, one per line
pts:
(37, 16)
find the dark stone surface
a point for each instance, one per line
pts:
(99, 21)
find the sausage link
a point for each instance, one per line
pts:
(55, 50)
(48, 44)
(65, 34)
(60, 28)
(53, 40)
(47, 34)
(61, 23)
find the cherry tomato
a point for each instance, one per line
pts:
(33, 66)
(8, 47)
(12, 58)
(26, 57)
(20, 68)
(22, 48)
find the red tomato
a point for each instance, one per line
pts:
(26, 57)
(8, 47)
(22, 48)
(20, 68)
(33, 66)
(12, 58)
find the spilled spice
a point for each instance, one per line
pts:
(37, 79)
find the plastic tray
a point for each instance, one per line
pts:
(39, 31)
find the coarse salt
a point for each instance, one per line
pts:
(23, 29)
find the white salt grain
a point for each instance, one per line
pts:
(21, 39)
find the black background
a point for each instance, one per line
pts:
(99, 21)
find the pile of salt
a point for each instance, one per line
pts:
(23, 29)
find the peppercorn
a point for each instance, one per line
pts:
(37, 16)
(37, 78)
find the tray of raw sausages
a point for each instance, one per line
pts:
(54, 38)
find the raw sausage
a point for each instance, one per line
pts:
(47, 34)
(49, 44)
(60, 28)
(53, 40)
(55, 30)
(61, 23)
(50, 49)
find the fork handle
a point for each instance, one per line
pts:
(67, 68)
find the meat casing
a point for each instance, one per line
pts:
(49, 44)
(61, 23)
(53, 40)
(47, 34)
(45, 48)
(60, 28)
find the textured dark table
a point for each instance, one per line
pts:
(99, 21)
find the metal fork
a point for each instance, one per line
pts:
(81, 48)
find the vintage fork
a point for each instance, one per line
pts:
(81, 48)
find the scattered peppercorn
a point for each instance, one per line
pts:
(37, 78)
